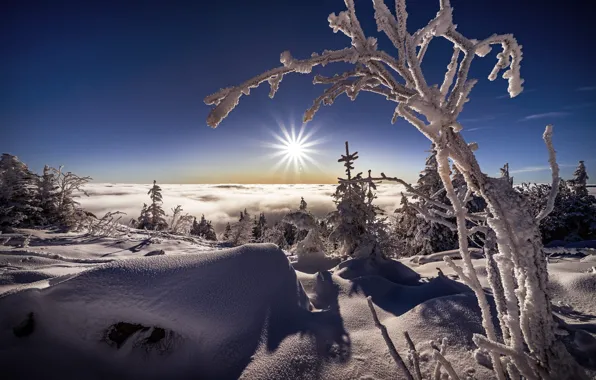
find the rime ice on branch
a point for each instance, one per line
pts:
(532, 348)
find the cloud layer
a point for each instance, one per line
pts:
(223, 203)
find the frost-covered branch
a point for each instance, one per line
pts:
(552, 160)
(445, 363)
(392, 350)
(433, 109)
(414, 356)
(437, 370)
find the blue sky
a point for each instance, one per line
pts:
(114, 89)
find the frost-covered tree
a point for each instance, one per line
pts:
(155, 210)
(17, 193)
(302, 204)
(69, 186)
(355, 213)
(276, 235)
(47, 193)
(580, 179)
(531, 347)
(144, 221)
(227, 233)
(259, 227)
(241, 232)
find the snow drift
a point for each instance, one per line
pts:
(211, 311)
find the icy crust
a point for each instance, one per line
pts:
(215, 307)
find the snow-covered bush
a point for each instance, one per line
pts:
(181, 224)
(107, 226)
(311, 246)
(530, 346)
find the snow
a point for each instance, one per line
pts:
(244, 312)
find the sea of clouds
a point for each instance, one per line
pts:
(222, 203)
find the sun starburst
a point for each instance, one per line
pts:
(294, 150)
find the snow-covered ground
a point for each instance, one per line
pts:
(74, 306)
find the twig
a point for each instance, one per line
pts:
(445, 363)
(414, 356)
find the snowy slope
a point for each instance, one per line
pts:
(200, 311)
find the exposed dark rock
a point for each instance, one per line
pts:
(119, 333)
(157, 252)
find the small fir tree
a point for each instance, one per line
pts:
(158, 216)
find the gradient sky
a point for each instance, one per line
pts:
(114, 89)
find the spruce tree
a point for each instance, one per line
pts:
(18, 187)
(302, 203)
(144, 221)
(580, 180)
(158, 216)
(354, 212)
(204, 229)
(227, 232)
(260, 225)
(417, 236)
(48, 195)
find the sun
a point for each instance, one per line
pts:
(294, 151)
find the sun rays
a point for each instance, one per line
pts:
(294, 150)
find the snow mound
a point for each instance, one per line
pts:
(22, 277)
(315, 264)
(475, 253)
(216, 308)
(389, 269)
(454, 317)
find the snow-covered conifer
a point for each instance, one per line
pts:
(355, 212)
(227, 233)
(580, 179)
(419, 236)
(205, 229)
(17, 193)
(157, 215)
(48, 195)
(258, 230)
(302, 204)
